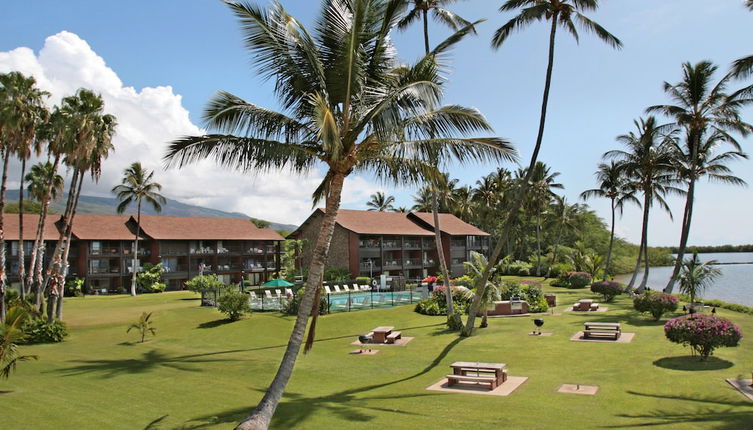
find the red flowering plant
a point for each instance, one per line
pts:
(703, 333)
(655, 303)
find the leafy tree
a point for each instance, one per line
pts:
(708, 116)
(260, 223)
(350, 106)
(149, 280)
(204, 283)
(11, 335)
(380, 202)
(137, 185)
(562, 13)
(143, 326)
(696, 276)
(234, 304)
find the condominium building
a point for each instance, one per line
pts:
(102, 248)
(371, 243)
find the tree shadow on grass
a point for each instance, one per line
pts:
(6, 391)
(725, 414)
(191, 299)
(148, 362)
(693, 363)
(215, 323)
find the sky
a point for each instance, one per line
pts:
(157, 63)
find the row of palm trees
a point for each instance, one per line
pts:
(76, 134)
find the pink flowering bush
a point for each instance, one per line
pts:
(578, 279)
(703, 333)
(607, 289)
(655, 303)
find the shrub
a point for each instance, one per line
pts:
(560, 282)
(724, 305)
(518, 268)
(578, 279)
(233, 304)
(73, 288)
(608, 289)
(293, 304)
(429, 307)
(204, 283)
(655, 303)
(530, 291)
(559, 269)
(12, 297)
(148, 280)
(461, 300)
(337, 274)
(703, 333)
(363, 280)
(38, 330)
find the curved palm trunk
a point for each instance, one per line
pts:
(687, 216)
(34, 279)
(261, 416)
(64, 273)
(611, 243)
(646, 265)
(426, 31)
(481, 283)
(21, 256)
(538, 243)
(644, 244)
(440, 256)
(3, 187)
(136, 250)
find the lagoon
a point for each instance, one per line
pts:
(735, 285)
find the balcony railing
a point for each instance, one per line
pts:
(412, 263)
(105, 251)
(103, 270)
(392, 244)
(203, 250)
(412, 244)
(176, 268)
(370, 243)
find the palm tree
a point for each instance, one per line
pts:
(380, 202)
(475, 268)
(423, 200)
(421, 10)
(540, 184)
(614, 186)
(647, 164)
(695, 277)
(563, 13)
(43, 184)
(137, 185)
(144, 325)
(349, 106)
(743, 68)
(12, 334)
(563, 217)
(88, 133)
(700, 109)
(21, 112)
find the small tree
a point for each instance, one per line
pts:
(695, 276)
(143, 326)
(703, 333)
(12, 334)
(657, 304)
(234, 304)
(149, 279)
(204, 283)
(609, 290)
(578, 279)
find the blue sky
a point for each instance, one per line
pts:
(189, 49)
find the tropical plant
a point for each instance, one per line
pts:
(380, 202)
(578, 279)
(696, 276)
(474, 269)
(421, 9)
(608, 289)
(234, 304)
(614, 186)
(149, 280)
(647, 163)
(563, 13)
(11, 335)
(204, 283)
(39, 330)
(540, 192)
(703, 333)
(562, 217)
(655, 303)
(143, 326)
(705, 111)
(137, 185)
(743, 67)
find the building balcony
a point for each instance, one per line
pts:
(105, 251)
(412, 244)
(392, 244)
(176, 268)
(104, 271)
(413, 264)
(202, 251)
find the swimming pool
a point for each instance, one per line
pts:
(345, 302)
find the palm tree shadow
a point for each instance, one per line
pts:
(724, 414)
(215, 323)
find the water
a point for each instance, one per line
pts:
(368, 300)
(734, 286)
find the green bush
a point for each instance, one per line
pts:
(608, 289)
(38, 330)
(560, 282)
(429, 307)
(233, 304)
(703, 333)
(655, 303)
(720, 304)
(337, 274)
(578, 279)
(363, 280)
(293, 304)
(461, 300)
(204, 283)
(559, 269)
(74, 287)
(148, 280)
(516, 268)
(12, 297)
(530, 291)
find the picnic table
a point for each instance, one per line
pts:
(602, 329)
(477, 372)
(383, 334)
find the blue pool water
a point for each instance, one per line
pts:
(372, 299)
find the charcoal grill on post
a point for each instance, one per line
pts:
(539, 322)
(364, 339)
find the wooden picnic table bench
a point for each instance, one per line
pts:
(454, 379)
(485, 370)
(602, 329)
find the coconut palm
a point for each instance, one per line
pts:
(43, 184)
(701, 108)
(12, 334)
(475, 269)
(563, 217)
(137, 185)
(421, 9)
(743, 68)
(647, 163)
(614, 186)
(423, 200)
(143, 326)
(562, 13)
(349, 106)
(695, 276)
(22, 111)
(381, 202)
(88, 136)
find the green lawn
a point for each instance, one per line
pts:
(200, 373)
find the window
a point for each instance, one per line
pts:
(96, 247)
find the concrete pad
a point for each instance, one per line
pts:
(589, 390)
(543, 334)
(624, 338)
(508, 316)
(601, 309)
(505, 389)
(364, 352)
(743, 386)
(400, 342)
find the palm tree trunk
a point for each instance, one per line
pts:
(556, 249)
(611, 243)
(3, 187)
(426, 31)
(21, 256)
(538, 243)
(481, 283)
(644, 243)
(440, 256)
(646, 265)
(136, 249)
(687, 215)
(39, 246)
(64, 274)
(261, 416)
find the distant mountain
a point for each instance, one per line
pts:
(107, 206)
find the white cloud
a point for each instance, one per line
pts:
(150, 118)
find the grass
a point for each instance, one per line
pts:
(201, 373)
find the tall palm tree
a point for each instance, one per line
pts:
(21, 113)
(137, 185)
(562, 13)
(348, 105)
(423, 200)
(563, 216)
(647, 164)
(381, 202)
(701, 108)
(89, 133)
(614, 186)
(743, 68)
(43, 184)
(541, 185)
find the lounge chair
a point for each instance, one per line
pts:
(326, 288)
(337, 289)
(268, 295)
(253, 296)
(355, 287)
(346, 289)
(345, 306)
(288, 292)
(278, 294)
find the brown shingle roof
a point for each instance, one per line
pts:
(450, 224)
(102, 227)
(374, 222)
(10, 226)
(184, 228)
